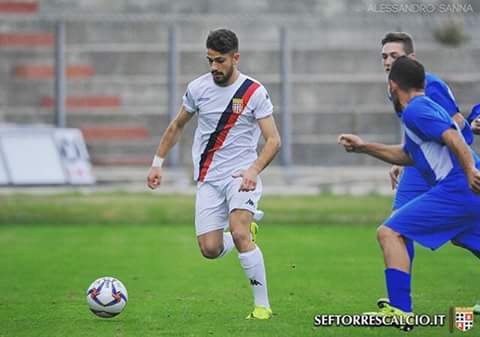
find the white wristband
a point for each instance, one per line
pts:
(157, 161)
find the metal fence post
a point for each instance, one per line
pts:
(174, 155)
(60, 77)
(286, 118)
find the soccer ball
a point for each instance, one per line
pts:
(107, 297)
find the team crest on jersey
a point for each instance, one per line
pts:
(237, 105)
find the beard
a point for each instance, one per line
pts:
(397, 106)
(220, 78)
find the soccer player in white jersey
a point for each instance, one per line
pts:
(232, 110)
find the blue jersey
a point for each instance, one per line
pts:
(425, 121)
(449, 210)
(474, 114)
(438, 91)
(412, 184)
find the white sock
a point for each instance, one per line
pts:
(252, 263)
(227, 244)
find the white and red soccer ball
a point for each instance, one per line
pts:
(107, 297)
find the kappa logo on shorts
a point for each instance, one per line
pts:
(250, 202)
(254, 282)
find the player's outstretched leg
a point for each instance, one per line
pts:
(251, 260)
(227, 244)
(409, 244)
(215, 244)
(397, 276)
(397, 271)
(411, 251)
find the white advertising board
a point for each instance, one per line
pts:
(43, 156)
(32, 157)
(74, 155)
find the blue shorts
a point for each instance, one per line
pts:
(411, 185)
(448, 211)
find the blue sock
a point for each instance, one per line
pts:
(410, 251)
(398, 287)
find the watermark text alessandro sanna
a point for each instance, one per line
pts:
(421, 8)
(366, 320)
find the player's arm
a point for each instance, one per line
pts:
(169, 138)
(457, 145)
(272, 143)
(268, 152)
(394, 173)
(459, 119)
(393, 154)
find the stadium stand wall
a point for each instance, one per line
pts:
(117, 67)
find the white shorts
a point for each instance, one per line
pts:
(216, 200)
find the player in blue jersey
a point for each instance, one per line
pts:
(474, 120)
(411, 183)
(408, 181)
(450, 209)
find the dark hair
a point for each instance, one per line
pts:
(223, 41)
(401, 37)
(407, 73)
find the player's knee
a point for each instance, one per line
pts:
(384, 234)
(241, 238)
(210, 251)
(380, 234)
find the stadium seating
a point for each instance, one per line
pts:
(117, 68)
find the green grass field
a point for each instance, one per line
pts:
(321, 257)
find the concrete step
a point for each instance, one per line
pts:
(336, 123)
(359, 29)
(137, 152)
(152, 125)
(133, 60)
(328, 118)
(308, 92)
(325, 153)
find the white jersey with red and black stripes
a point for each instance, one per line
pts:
(227, 133)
